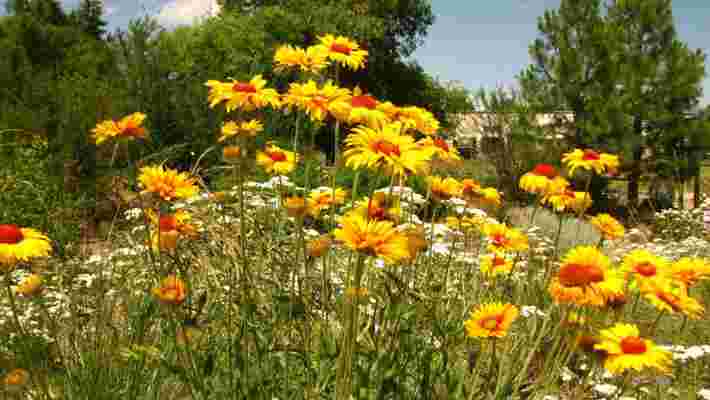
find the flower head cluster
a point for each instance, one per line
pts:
(129, 128)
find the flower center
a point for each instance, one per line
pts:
(546, 170)
(441, 143)
(167, 223)
(499, 240)
(646, 269)
(498, 261)
(573, 274)
(490, 323)
(10, 234)
(133, 131)
(341, 48)
(590, 155)
(244, 87)
(365, 101)
(277, 156)
(633, 345)
(386, 148)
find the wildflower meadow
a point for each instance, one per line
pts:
(407, 281)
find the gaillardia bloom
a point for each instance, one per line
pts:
(21, 244)
(585, 278)
(386, 149)
(568, 200)
(416, 118)
(29, 286)
(489, 196)
(322, 199)
(625, 350)
(379, 208)
(443, 188)
(247, 96)
(296, 206)
(358, 109)
(168, 184)
(315, 101)
(644, 267)
(240, 129)
(172, 290)
(275, 160)
(440, 148)
(343, 51)
(503, 238)
(672, 297)
(538, 180)
(312, 59)
(15, 380)
(590, 160)
(690, 270)
(608, 226)
(129, 127)
(495, 264)
(374, 238)
(170, 228)
(491, 320)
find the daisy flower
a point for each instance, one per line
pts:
(21, 244)
(343, 51)
(374, 238)
(626, 350)
(129, 127)
(275, 160)
(491, 320)
(247, 96)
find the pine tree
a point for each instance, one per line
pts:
(89, 17)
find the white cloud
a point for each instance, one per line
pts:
(183, 12)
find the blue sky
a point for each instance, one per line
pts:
(481, 43)
(484, 43)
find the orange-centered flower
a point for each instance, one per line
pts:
(491, 320)
(585, 278)
(625, 350)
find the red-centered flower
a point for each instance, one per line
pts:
(244, 87)
(365, 101)
(545, 170)
(386, 148)
(591, 155)
(573, 274)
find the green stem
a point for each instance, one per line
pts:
(344, 373)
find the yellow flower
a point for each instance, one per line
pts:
(568, 200)
(358, 109)
(690, 270)
(167, 183)
(672, 297)
(245, 129)
(495, 264)
(503, 238)
(30, 285)
(14, 380)
(343, 51)
(585, 278)
(470, 188)
(312, 59)
(247, 96)
(374, 238)
(318, 246)
(21, 244)
(171, 227)
(232, 154)
(416, 241)
(296, 206)
(276, 160)
(353, 292)
(491, 320)
(128, 127)
(313, 100)
(440, 148)
(322, 199)
(539, 179)
(443, 188)
(608, 226)
(625, 350)
(413, 117)
(385, 149)
(379, 208)
(490, 196)
(172, 290)
(590, 160)
(644, 267)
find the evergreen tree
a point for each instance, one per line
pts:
(89, 18)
